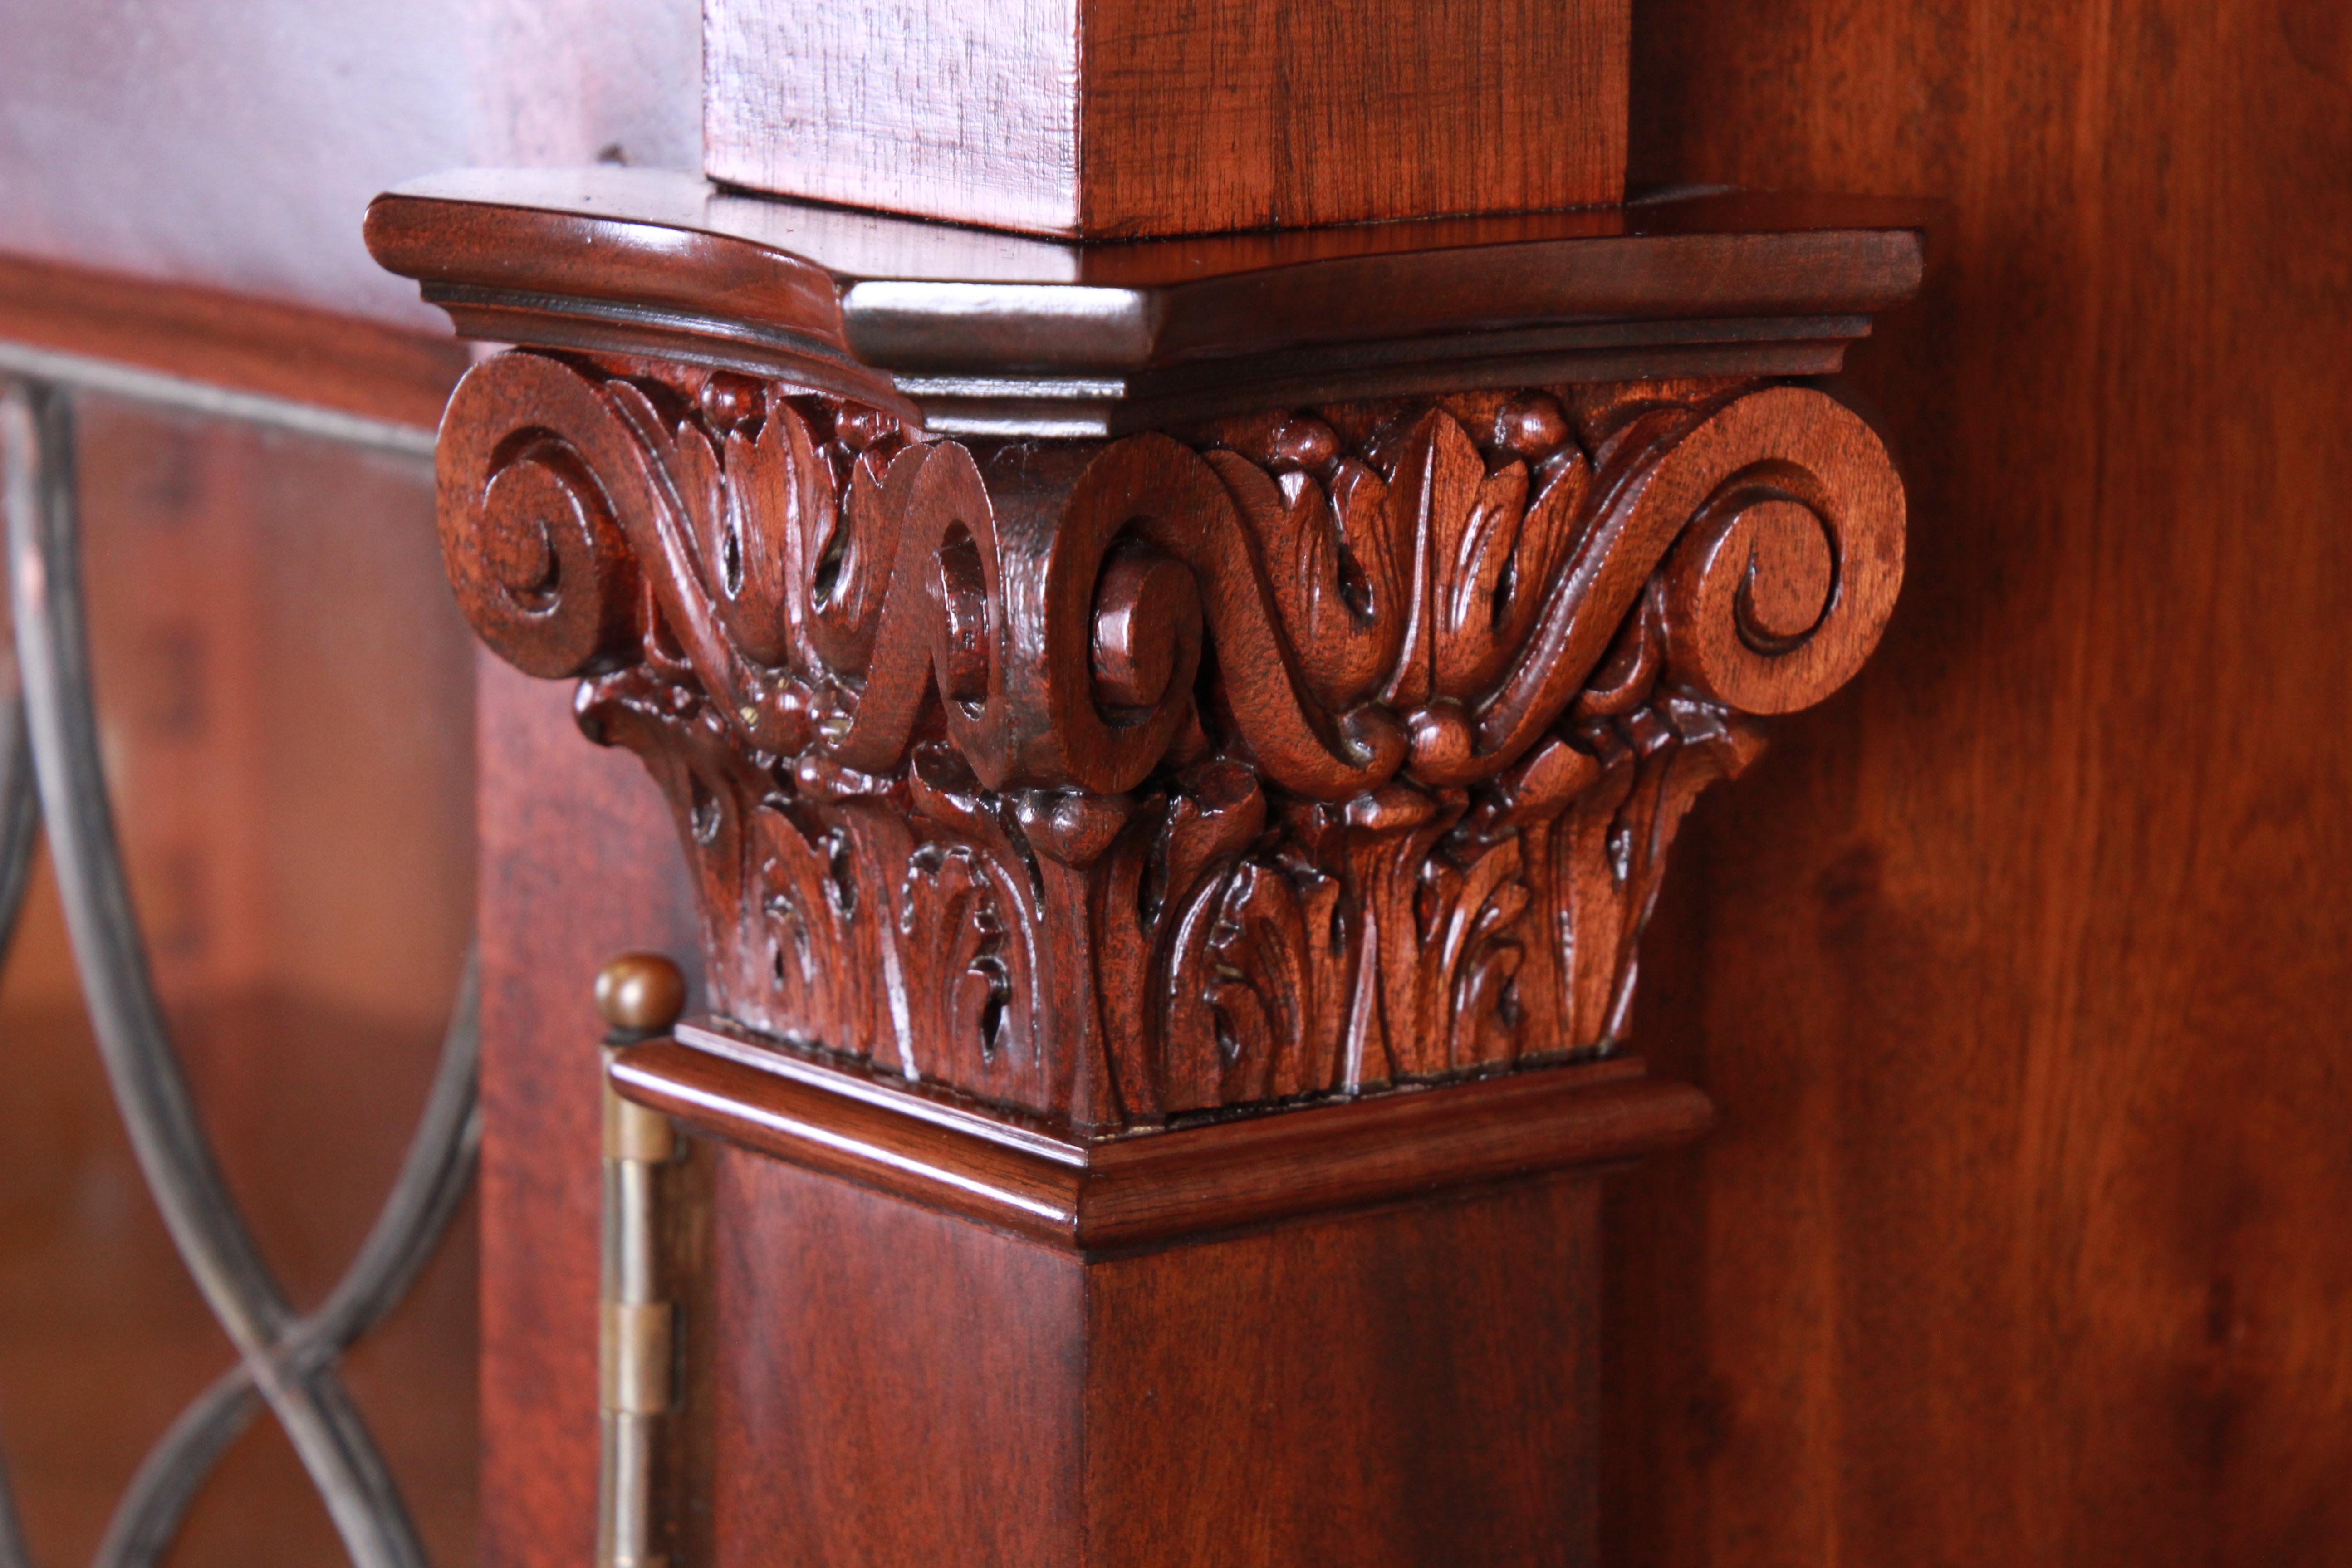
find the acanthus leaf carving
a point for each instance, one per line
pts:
(1122, 781)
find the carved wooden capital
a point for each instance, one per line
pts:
(1281, 755)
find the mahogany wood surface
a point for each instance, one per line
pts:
(990, 335)
(854, 1337)
(578, 863)
(1422, 708)
(1402, 1387)
(1082, 812)
(1397, 1389)
(1116, 117)
(1103, 1196)
(243, 343)
(2020, 978)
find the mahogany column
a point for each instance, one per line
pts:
(1176, 743)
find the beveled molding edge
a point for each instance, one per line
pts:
(1144, 1191)
(973, 332)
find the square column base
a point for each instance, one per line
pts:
(1361, 1334)
(1400, 1388)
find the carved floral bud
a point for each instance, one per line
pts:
(732, 402)
(782, 722)
(1303, 444)
(859, 427)
(1441, 745)
(1531, 426)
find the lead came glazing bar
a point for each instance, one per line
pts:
(287, 1360)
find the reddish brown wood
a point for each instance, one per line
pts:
(238, 342)
(1102, 1195)
(2026, 967)
(1068, 816)
(1401, 1388)
(859, 1337)
(578, 863)
(1108, 118)
(1397, 1389)
(985, 334)
(1409, 830)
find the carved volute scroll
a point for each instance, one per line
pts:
(1288, 755)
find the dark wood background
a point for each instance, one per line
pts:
(2021, 971)
(2017, 973)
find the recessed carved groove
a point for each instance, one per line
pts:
(1119, 781)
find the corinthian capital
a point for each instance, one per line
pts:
(1280, 754)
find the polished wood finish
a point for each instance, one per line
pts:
(1393, 1389)
(578, 863)
(1108, 1195)
(2020, 977)
(985, 334)
(1398, 1387)
(1109, 119)
(1233, 837)
(1461, 690)
(866, 1338)
(241, 343)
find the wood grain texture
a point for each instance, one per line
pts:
(1113, 119)
(2020, 977)
(1256, 114)
(1397, 1388)
(1394, 1389)
(578, 863)
(858, 1339)
(1101, 1197)
(1314, 754)
(977, 333)
(1117, 784)
(928, 106)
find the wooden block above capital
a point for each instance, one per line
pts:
(1105, 118)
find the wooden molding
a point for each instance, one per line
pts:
(979, 335)
(1104, 1197)
(1392, 1387)
(1175, 745)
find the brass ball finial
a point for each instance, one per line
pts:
(640, 992)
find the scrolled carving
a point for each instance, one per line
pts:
(1797, 554)
(1781, 444)
(1126, 781)
(529, 533)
